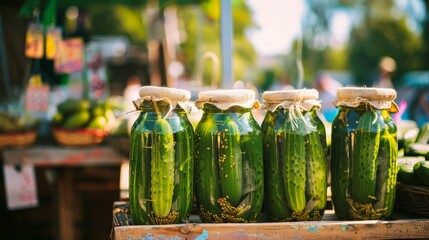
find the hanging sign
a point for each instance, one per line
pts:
(37, 95)
(53, 36)
(20, 184)
(96, 73)
(34, 41)
(69, 56)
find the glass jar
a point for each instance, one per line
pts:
(228, 157)
(364, 153)
(295, 159)
(161, 158)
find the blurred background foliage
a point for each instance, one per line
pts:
(202, 27)
(117, 19)
(379, 29)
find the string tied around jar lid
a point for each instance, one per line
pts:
(172, 96)
(155, 101)
(374, 98)
(227, 98)
(295, 102)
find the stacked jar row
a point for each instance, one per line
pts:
(243, 172)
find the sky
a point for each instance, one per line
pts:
(279, 24)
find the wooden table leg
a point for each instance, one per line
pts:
(65, 204)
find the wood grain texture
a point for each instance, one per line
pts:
(325, 229)
(64, 156)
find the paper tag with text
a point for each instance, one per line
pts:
(69, 56)
(34, 41)
(37, 98)
(53, 36)
(20, 184)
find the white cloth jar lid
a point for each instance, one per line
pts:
(174, 94)
(379, 98)
(226, 98)
(305, 98)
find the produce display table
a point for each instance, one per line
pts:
(329, 228)
(57, 156)
(63, 160)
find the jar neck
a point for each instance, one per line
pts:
(159, 107)
(209, 108)
(351, 115)
(281, 109)
(363, 107)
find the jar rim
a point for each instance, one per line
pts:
(226, 98)
(372, 94)
(295, 95)
(226, 95)
(173, 94)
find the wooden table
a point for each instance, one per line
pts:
(63, 160)
(329, 228)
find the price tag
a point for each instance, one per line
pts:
(96, 74)
(20, 184)
(34, 41)
(69, 56)
(37, 97)
(53, 36)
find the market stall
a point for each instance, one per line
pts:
(229, 163)
(62, 163)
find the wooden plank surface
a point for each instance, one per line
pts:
(329, 228)
(62, 160)
(293, 230)
(64, 156)
(66, 206)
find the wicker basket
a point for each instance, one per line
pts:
(79, 137)
(19, 139)
(411, 198)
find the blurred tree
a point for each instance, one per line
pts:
(111, 17)
(117, 19)
(425, 35)
(380, 29)
(202, 30)
(318, 50)
(383, 31)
